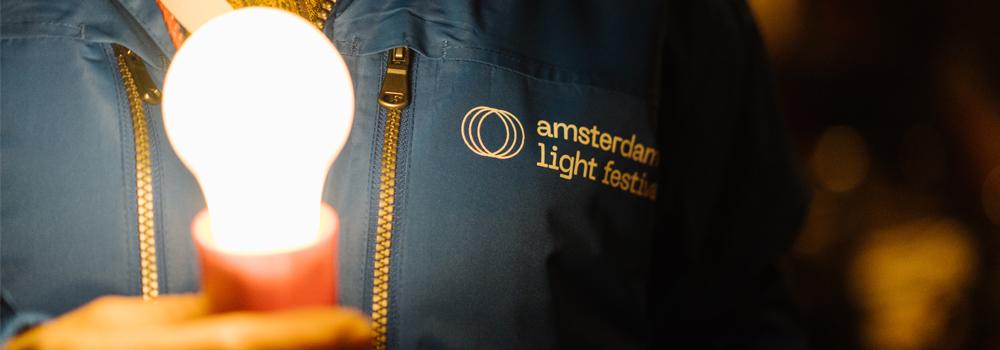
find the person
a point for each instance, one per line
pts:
(571, 174)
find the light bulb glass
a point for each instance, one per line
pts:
(258, 103)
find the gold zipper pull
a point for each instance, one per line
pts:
(395, 93)
(147, 89)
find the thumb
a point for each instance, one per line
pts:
(119, 311)
(312, 328)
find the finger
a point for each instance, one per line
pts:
(26, 340)
(106, 317)
(120, 311)
(314, 328)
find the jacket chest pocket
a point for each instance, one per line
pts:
(500, 136)
(519, 189)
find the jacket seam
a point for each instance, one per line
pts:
(410, 12)
(80, 30)
(444, 58)
(553, 81)
(46, 36)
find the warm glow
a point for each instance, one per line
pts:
(908, 278)
(258, 103)
(840, 160)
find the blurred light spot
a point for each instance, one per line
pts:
(923, 162)
(840, 159)
(909, 279)
(991, 195)
(780, 24)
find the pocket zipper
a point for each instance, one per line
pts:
(139, 88)
(394, 96)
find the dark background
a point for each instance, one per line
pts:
(894, 111)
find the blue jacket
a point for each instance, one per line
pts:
(627, 183)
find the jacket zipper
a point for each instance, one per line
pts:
(314, 11)
(394, 96)
(319, 11)
(139, 88)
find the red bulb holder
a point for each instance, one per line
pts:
(265, 282)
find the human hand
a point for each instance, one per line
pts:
(185, 322)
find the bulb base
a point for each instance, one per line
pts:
(264, 282)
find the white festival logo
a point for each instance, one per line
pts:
(472, 125)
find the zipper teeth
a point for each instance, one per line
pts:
(143, 185)
(383, 228)
(321, 10)
(314, 11)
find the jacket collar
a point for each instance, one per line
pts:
(146, 15)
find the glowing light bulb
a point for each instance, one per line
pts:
(258, 103)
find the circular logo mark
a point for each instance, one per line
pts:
(472, 126)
